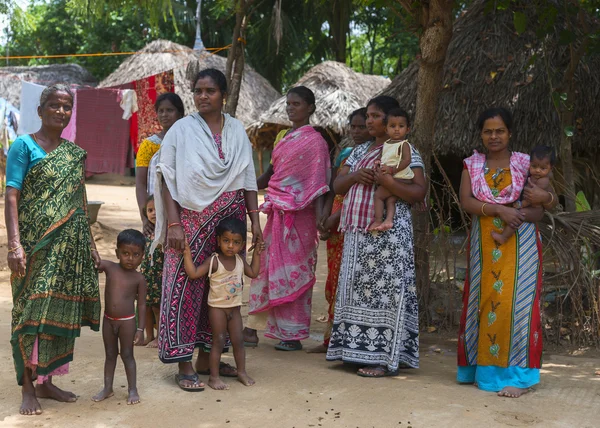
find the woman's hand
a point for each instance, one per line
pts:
(17, 262)
(147, 227)
(511, 216)
(96, 258)
(364, 176)
(176, 238)
(257, 237)
(535, 195)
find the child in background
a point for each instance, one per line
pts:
(225, 270)
(152, 269)
(124, 284)
(395, 160)
(542, 160)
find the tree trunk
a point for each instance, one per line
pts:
(436, 22)
(234, 69)
(373, 44)
(198, 44)
(566, 151)
(339, 25)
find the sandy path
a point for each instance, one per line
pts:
(293, 389)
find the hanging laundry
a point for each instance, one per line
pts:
(101, 131)
(69, 133)
(128, 103)
(30, 100)
(145, 123)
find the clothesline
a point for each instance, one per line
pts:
(100, 54)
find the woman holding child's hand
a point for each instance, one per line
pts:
(500, 340)
(207, 174)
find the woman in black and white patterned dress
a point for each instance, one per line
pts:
(376, 322)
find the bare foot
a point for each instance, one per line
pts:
(386, 225)
(152, 344)
(103, 395)
(512, 392)
(250, 337)
(30, 405)
(217, 383)
(375, 225)
(146, 341)
(498, 238)
(319, 349)
(49, 390)
(133, 398)
(245, 379)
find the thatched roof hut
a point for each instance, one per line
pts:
(489, 64)
(339, 91)
(71, 74)
(161, 55)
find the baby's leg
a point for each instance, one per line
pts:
(379, 203)
(501, 238)
(235, 327)
(126, 337)
(111, 351)
(390, 206)
(218, 323)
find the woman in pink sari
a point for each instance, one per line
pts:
(296, 184)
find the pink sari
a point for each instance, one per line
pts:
(284, 285)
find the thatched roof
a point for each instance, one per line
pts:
(339, 91)
(71, 74)
(488, 65)
(161, 55)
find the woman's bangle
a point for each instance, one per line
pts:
(173, 224)
(139, 329)
(12, 250)
(482, 211)
(253, 211)
(551, 199)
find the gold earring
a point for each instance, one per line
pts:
(224, 101)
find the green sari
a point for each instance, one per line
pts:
(59, 292)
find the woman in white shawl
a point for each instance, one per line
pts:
(205, 173)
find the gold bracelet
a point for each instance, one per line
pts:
(482, 211)
(12, 250)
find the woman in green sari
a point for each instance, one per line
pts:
(51, 253)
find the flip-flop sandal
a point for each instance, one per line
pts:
(384, 373)
(192, 378)
(289, 346)
(222, 365)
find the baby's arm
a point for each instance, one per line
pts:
(190, 268)
(141, 306)
(252, 271)
(543, 183)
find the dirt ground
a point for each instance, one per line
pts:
(293, 389)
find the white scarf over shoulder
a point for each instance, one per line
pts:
(189, 164)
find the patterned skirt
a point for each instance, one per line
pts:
(376, 320)
(184, 321)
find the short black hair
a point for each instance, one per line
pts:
(362, 112)
(173, 99)
(216, 75)
(232, 225)
(543, 152)
(384, 103)
(490, 113)
(131, 237)
(398, 112)
(306, 94)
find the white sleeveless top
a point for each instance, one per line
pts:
(392, 155)
(225, 286)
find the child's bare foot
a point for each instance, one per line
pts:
(133, 398)
(30, 405)
(386, 225)
(375, 225)
(53, 392)
(152, 344)
(146, 341)
(512, 392)
(498, 238)
(319, 349)
(218, 384)
(245, 379)
(103, 395)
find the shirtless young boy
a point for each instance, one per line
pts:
(124, 284)
(542, 160)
